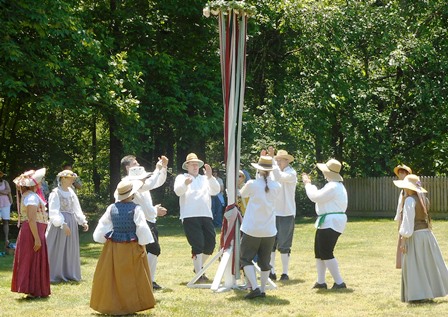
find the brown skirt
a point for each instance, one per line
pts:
(122, 281)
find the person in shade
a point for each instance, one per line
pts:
(401, 171)
(157, 178)
(195, 191)
(424, 275)
(31, 272)
(258, 227)
(62, 233)
(285, 211)
(122, 280)
(5, 206)
(331, 204)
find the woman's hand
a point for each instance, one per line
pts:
(86, 227)
(37, 244)
(67, 230)
(403, 245)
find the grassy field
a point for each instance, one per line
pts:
(366, 254)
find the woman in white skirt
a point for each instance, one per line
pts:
(424, 273)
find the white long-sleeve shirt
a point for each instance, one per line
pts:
(285, 205)
(142, 230)
(143, 196)
(195, 198)
(329, 199)
(70, 203)
(259, 218)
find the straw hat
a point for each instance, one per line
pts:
(264, 163)
(331, 170)
(411, 182)
(402, 167)
(67, 173)
(137, 172)
(283, 154)
(192, 158)
(127, 188)
(3, 174)
(30, 178)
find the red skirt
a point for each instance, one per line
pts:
(31, 272)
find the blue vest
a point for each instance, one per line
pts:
(124, 227)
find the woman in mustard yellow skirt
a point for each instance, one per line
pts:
(122, 281)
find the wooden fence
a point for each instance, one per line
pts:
(378, 196)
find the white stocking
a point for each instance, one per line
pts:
(264, 275)
(197, 262)
(285, 262)
(249, 271)
(321, 268)
(152, 261)
(272, 263)
(333, 267)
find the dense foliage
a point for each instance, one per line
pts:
(90, 81)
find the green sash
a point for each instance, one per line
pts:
(321, 218)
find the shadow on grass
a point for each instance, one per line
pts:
(291, 281)
(335, 291)
(268, 300)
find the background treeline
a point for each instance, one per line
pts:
(87, 82)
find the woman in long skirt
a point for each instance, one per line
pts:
(31, 271)
(424, 275)
(122, 281)
(62, 233)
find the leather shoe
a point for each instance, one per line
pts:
(254, 293)
(339, 286)
(284, 277)
(273, 276)
(320, 286)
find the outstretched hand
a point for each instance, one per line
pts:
(208, 170)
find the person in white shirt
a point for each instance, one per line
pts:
(258, 227)
(285, 211)
(424, 274)
(143, 198)
(331, 205)
(401, 171)
(195, 191)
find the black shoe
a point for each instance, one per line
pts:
(339, 286)
(320, 286)
(156, 286)
(273, 276)
(254, 293)
(284, 277)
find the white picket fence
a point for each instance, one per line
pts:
(378, 196)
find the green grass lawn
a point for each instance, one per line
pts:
(366, 254)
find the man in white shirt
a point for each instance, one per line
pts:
(285, 210)
(195, 191)
(143, 198)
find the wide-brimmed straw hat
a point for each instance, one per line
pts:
(264, 163)
(3, 174)
(127, 188)
(411, 182)
(192, 158)
(137, 172)
(402, 167)
(282, 154)
(30, 178)
(67, 173)
(331, 170)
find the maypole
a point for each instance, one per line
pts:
(232, 17)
